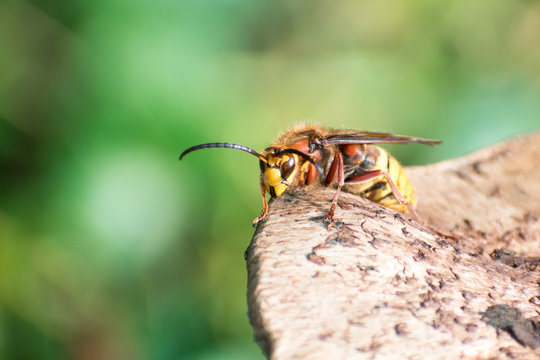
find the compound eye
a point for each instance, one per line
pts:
(287, 168)
(262, 165)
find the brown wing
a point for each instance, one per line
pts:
(364, 137)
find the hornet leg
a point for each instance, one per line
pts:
(335, 169)
(395, 191)
(265, 206)
(400, 199)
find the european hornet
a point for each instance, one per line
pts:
(309, 155)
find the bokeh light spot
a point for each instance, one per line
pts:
(132, 203)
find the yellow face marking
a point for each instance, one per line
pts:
(280, 189)
(274, 160)
(272, 177)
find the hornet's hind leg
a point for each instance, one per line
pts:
(336, 169)
(401, 200)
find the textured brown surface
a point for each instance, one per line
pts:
(377, 284)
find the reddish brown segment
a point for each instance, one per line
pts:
(361, 155)
(302, 145)
(355, 152)
(365, 176)
(312, 175)
(333, 171)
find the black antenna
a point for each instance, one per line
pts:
(222, 145)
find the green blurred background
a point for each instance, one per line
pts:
(112, 249)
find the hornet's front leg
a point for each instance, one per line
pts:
(265, 205)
